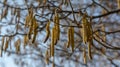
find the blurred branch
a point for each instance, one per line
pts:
(64, 11)
(111, 61)
(106, 14)
(26, 8)
(107, 46)
(72, 10)
(100, 5)
(108, 58)
(107, 32)
(112, 32)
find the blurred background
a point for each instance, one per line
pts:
(23, 33)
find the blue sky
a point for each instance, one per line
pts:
(7, 61)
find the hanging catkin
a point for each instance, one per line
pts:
(84, 29)
(25, 40)
(47, 31)
(47, 56)
(69, 38)
(17, 46)
(35, 26)
(72, 38)
(103, 32)
(87, 35)
(57, 27)
(89, 50)
(118, 4)
(52, 41)
(6, 44)
(84, 56)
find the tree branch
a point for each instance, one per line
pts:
(106, 14)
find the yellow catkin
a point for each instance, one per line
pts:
(30, 19)
(17, 46)
(30, 12)
(72, 38)
(4, 2)
(3, 40)
(4, 14)
(89, 50)
(118, 4)
(90, 32)
(47, 57)
(87, 35)
(31, 28)
(34, 36)
(47, 31)
(84, 56)
(6, 44)
(35, 26)
(50, 50)
(52, 42)
(103, 33)
(27, 21)
(55, 36)
(25, 40)
(84, 30)
(69, 38)
(44, 2)
(57, 28)
(57, 25)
